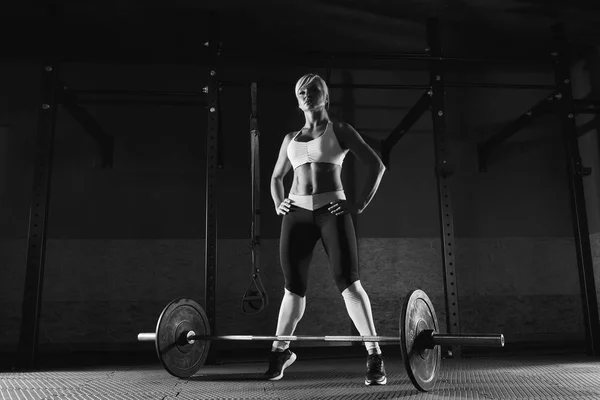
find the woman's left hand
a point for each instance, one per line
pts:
(342, 207)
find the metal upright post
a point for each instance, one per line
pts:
(212, 152)
(443, 172)
(38, 217)
(575, 172)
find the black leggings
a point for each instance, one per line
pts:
(300, 231)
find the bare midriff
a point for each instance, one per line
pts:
(314, 178)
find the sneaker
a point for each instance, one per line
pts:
(278, 362)
(375, 370)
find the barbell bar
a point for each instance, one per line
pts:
(182, 339)
(436, 339)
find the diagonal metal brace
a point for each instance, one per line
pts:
(407, 122)
(485, 149)
(70, 103)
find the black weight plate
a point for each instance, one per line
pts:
(177, 356)
(422, 364)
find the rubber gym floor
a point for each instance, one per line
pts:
(315, 375)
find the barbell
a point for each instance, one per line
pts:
(182, 339)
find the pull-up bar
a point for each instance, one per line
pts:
(490, 85)
(341, 59)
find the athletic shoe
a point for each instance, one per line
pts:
(278, 362)
(375, 370)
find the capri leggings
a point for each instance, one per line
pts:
(300, 231)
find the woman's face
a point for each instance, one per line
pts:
(311, 97)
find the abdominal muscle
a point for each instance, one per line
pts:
(314, 178)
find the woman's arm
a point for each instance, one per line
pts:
(367, 156)
(282, 166)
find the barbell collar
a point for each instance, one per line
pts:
(147, 337)
(484, 340)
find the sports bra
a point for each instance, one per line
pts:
(325, 149)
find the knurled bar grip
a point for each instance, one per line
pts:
(492, 340)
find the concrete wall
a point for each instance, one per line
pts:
(125, 241)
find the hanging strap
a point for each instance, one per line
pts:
(255, 299)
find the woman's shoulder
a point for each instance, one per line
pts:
(289, 136)
(340, 127)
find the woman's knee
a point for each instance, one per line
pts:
(298, 289)
(347, 283)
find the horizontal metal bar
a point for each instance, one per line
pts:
(149, 93)
(300, 338)
(202, 95)
(414, 86)
(377, 86)
(139, 97)
(416, 56)
(374, 56)
(150, 337)
(229, 83)
(492, 85)
(143, 102)
(488, 340)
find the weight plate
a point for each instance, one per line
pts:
(422, 364)
(178, 357)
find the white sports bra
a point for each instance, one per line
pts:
(325, 149)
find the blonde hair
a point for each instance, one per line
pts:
(307, 80)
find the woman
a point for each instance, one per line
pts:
(316, 208)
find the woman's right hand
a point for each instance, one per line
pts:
(284, 207)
